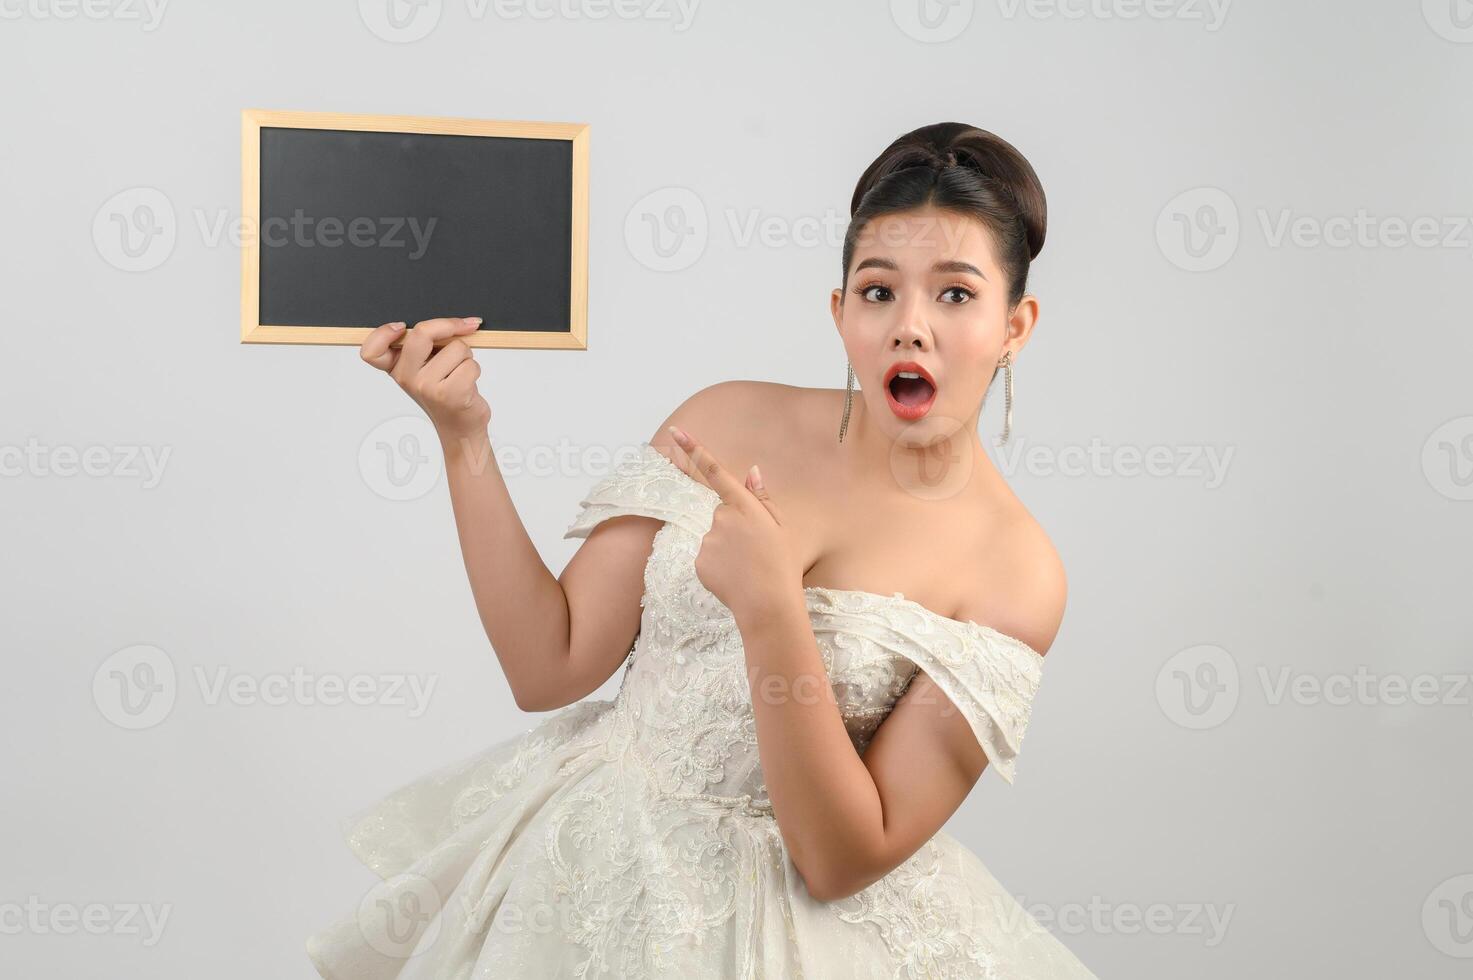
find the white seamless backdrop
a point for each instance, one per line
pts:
(233, 605)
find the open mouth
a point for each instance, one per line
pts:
(910, 390)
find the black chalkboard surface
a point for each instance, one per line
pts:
(355, 221)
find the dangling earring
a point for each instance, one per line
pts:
(848, 400)
(1007, 389)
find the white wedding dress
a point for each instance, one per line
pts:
(633, 837)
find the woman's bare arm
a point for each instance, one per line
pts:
(556, 639)
(848, 820)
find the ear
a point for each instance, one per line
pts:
(836, 309)
(1021, 322)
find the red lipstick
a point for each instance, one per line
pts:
(910, 390)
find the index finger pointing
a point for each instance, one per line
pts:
(730, 489)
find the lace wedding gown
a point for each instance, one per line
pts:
(633, 837)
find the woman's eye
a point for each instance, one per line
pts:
(878, 292)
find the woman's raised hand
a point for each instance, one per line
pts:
(441, 381)
(746, 559)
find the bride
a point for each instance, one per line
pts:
(831, 614)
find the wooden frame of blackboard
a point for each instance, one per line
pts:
(254, 120)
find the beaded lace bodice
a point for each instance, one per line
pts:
(686, 686)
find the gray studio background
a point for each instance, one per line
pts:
(1245, 419)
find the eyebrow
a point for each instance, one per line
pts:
(876, 262)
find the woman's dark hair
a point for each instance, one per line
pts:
(966, 170)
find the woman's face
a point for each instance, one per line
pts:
(925, 294)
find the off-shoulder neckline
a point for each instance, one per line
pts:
(895, 597)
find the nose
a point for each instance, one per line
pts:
(911, 331)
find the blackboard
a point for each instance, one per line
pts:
(351, 221)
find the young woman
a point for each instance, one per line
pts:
(831, 612)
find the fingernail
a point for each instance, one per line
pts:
(756, 477)
(398, 325)
(472, 319)
(679, 435)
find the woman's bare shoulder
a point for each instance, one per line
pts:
(736, 419)
(1022, 587)
(1019, 583)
